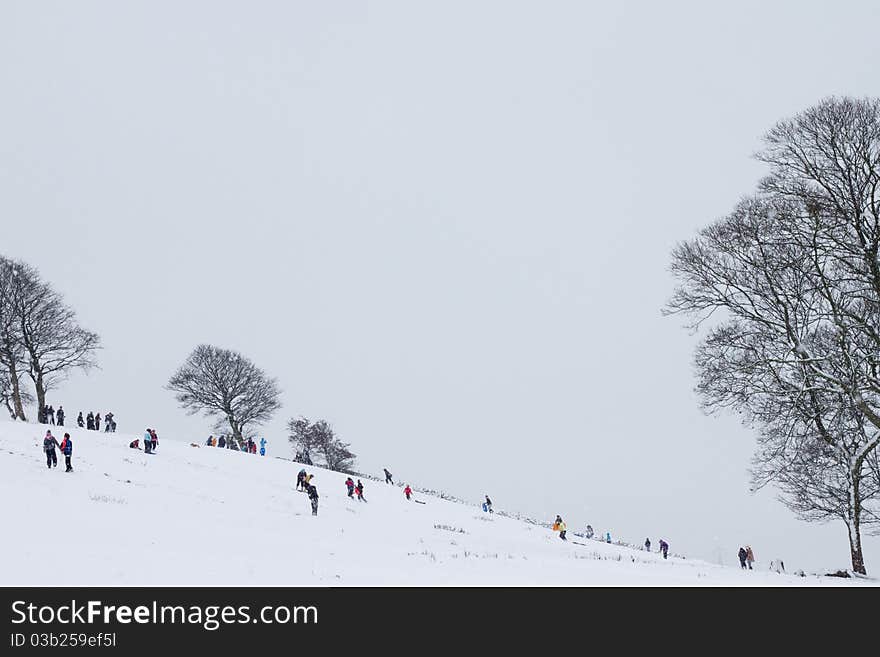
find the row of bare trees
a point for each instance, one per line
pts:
(788, 287)
(40, 338)
(227, 386)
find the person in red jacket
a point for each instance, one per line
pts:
(67, 449)
(407, 491)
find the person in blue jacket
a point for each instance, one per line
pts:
(262, 447)
(607, 537)
(67, 450)
(148, 442)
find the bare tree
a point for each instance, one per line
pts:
(46, 331)
(12, 355)
(223, 383)
(793, 282)
(809, 441)
(320, 439)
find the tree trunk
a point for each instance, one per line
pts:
(855, 535)
(236, 429)
(17, 408)
(41, 395)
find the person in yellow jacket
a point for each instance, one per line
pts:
(559, 526)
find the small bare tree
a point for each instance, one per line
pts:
(46, 331)
(319, 438)
(224, 384)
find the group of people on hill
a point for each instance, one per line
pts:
(664, 546)
(389, 479)
(151, 441)
(589, 533)
(48, 415)
(248, 446)
(746, 557)
(92, 421)
(357, 488)
(66, 447)
(354, 489)
(559, 526)
(305, 485)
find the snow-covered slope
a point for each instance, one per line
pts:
(208, 516)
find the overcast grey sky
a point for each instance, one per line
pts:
(445, 228)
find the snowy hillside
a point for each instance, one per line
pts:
(208, 516)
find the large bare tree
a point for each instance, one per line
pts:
(226, 385)
(791, 282)
(44, 333)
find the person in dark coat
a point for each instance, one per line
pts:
(97, 421)
(300, 479)
(79, 420)
(664, 547)
(648, 544)
(742, 554)
(51, 414)
(313, 497)
(359, 489)
(221, 442)
(60, 415)
(49, 445)
(67, 450)
(90, 421)
(388, 479)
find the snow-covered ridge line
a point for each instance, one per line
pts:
(192, 515)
